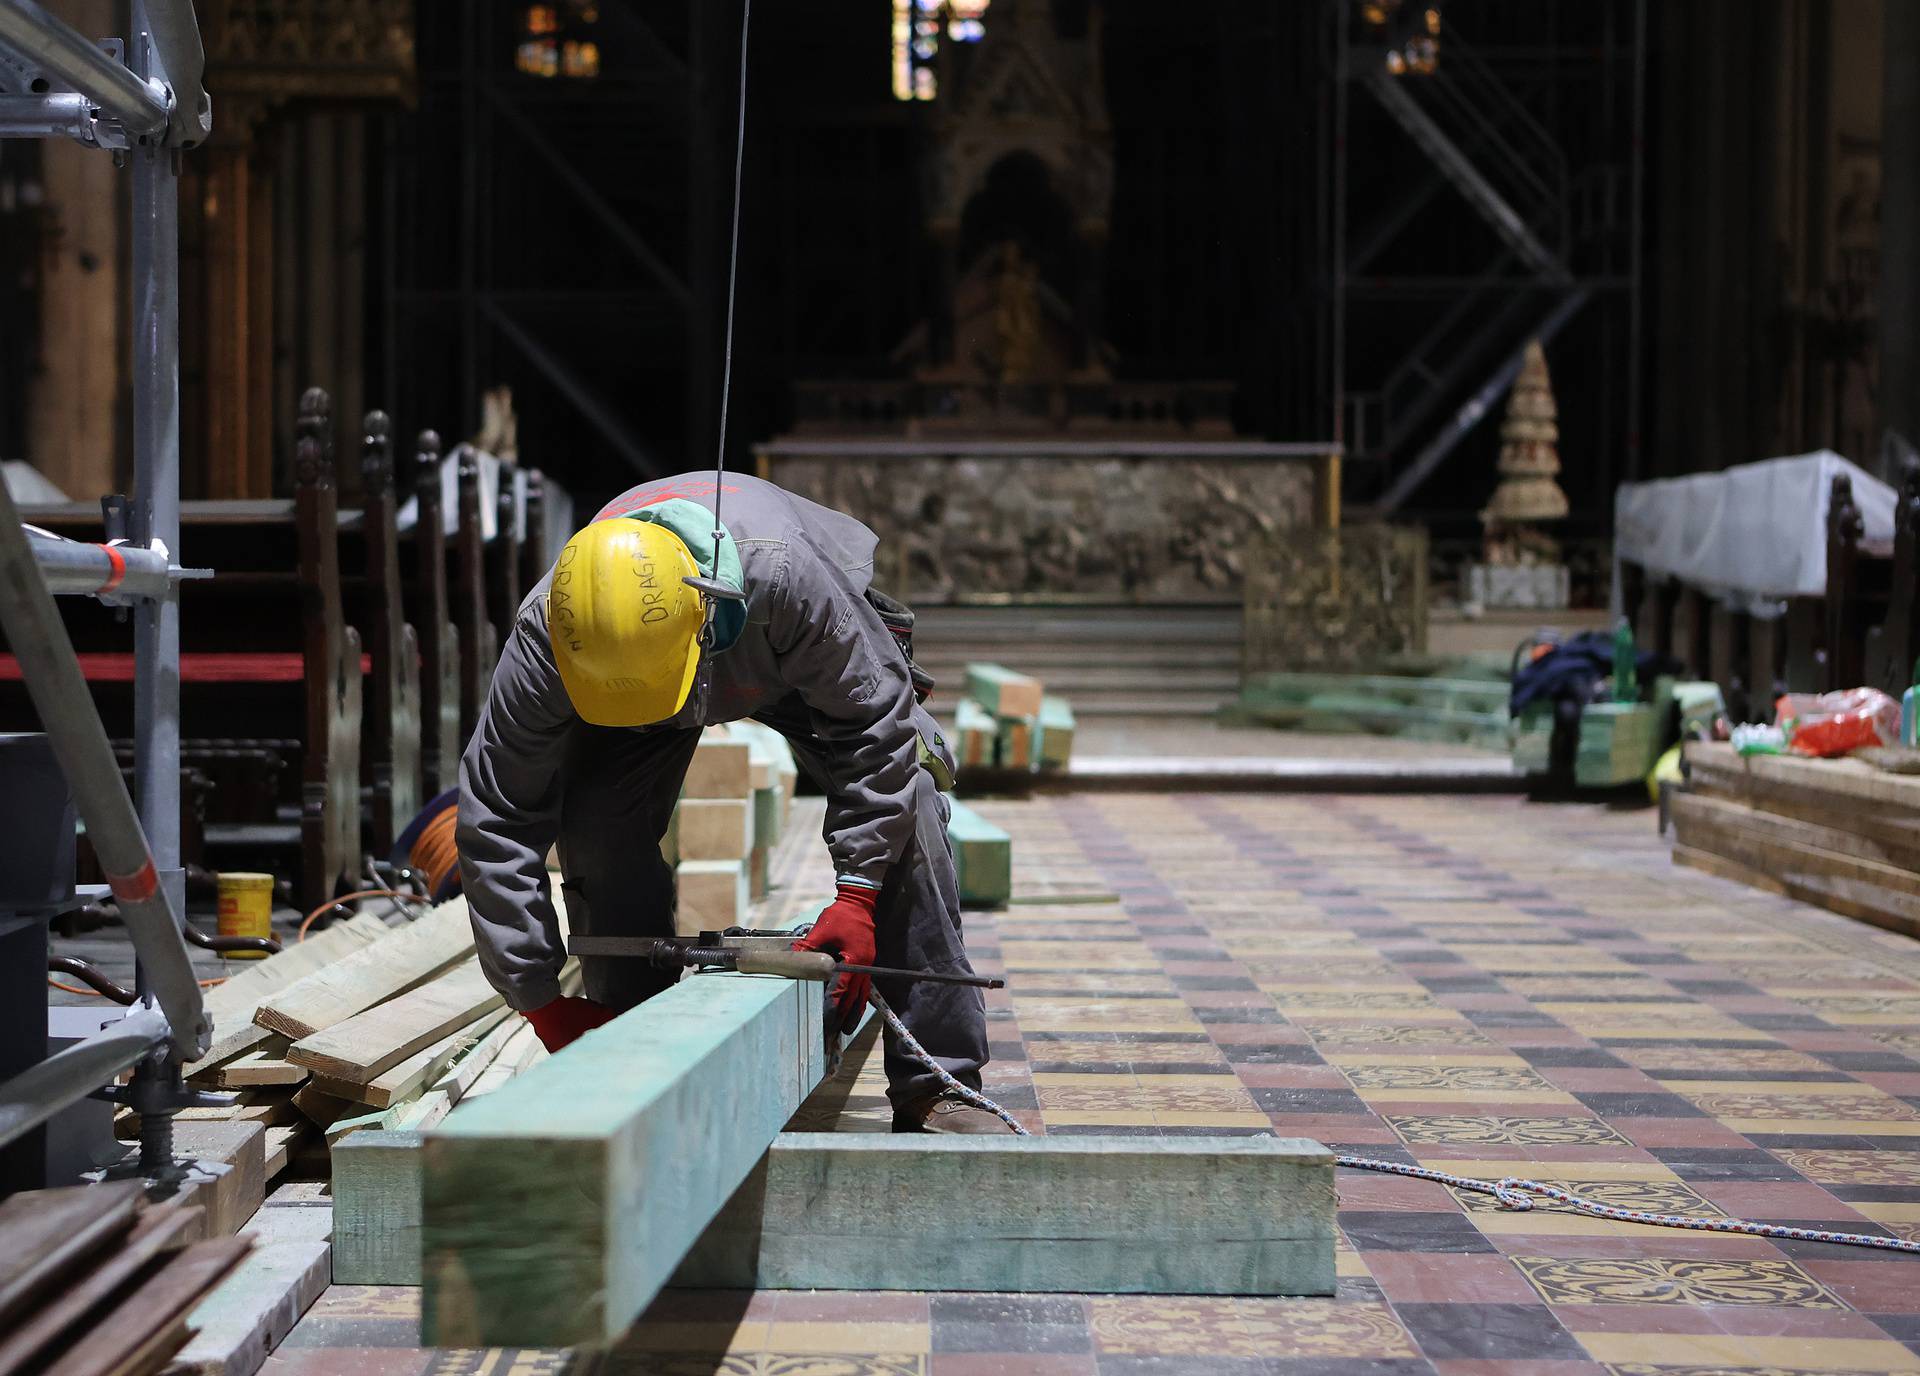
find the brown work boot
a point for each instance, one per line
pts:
(946, 1113)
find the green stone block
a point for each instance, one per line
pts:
(1100, 1215)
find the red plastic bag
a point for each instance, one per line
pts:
(1829, 724)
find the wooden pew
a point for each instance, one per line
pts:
(1893, 645)
(270, 672)
(503, 555)
(479, 642)
(430, 611)
(534, 558)
(1842, 615)
(390, 736)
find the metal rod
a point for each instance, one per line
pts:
(60, 115)
(76, 568)
(139, 106)
(39, 640)
(156, 496)
(33, 1096)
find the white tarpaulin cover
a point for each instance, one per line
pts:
(1750, 535)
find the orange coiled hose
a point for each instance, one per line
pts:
(433, 856)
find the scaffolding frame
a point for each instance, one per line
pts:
(144, 101)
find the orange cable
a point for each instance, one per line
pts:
(96, 994)
(308, 921)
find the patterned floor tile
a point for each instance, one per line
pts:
(1497, 989)
(1663, 1280)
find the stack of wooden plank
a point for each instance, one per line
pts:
(1009, 721)
(94, 1280)
(1838, 833)
(1619, 741)
(1463, 706)
(360, 1026)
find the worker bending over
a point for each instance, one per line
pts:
(613, 667)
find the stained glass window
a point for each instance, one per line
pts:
(918, 27)
(557, 40)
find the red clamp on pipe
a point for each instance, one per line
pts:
(135, 888)
(119, 562)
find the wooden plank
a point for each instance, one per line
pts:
(1819, 849)
(45, 1234)
(250, 1313)
(231, 1005)
(281, 1143)
(412, 1075)
(982, 858)
(1003, 692)
(716, 828)
(1101, 1215)
(266, 1064)
(228, 1174)
(1898, 833)
(534, 1196)
(358, 1048)
(406, 957)
(1849, 779)
(321, 1108)
(721, 768)
(158, 1232)
(713, 895)
(120, 1340)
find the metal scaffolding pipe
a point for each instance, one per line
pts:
(44, 42)
(61, 115)
(156, 495)
(39, 640)
(35, 1095)
(76, 568)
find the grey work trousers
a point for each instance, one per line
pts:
(619, 791)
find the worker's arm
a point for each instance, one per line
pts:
(509, 818)
(837, 655)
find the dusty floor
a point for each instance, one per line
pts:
(1477, 983)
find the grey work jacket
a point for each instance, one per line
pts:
(811, 642)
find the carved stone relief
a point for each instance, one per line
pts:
(1128, 529)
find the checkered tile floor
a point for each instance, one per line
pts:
(1476, 984)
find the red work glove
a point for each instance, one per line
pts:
(846, 930)
(567, 1020)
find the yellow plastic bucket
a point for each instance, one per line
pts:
(246, 908)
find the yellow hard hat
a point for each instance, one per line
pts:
(625, 627)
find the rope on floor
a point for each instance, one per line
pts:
(1513, 1193)
(953, 1086)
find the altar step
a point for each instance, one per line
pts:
(1106, 660)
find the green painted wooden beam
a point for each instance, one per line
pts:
(1054, 741)
(973, 733)
(1102, 1215)
(554, 1209)
(982, 858)
(1003, 692)
(376, 1209)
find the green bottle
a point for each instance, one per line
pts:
(1626, 682)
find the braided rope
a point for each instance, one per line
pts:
(1513, 1192)
(953, 1086)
